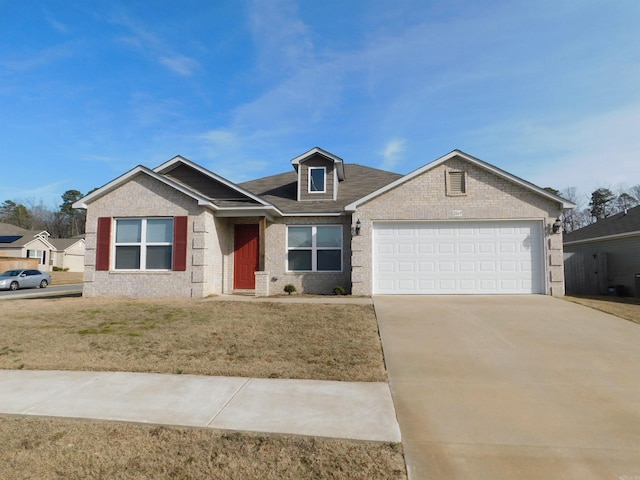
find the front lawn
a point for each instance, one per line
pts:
(623, 307)
(202, 337)
(205, 337)
(49, 449)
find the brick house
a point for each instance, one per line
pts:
(456, 225)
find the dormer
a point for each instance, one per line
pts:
(319, 173)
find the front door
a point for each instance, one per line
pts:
(245, 256)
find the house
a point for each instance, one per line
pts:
(21, 243)
(456, 225)
(65, 253)
(68, 253)
(604, 257)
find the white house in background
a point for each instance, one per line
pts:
(21, 243)
(68, 253)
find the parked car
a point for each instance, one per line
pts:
(15, 279)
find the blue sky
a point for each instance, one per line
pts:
(547, 90)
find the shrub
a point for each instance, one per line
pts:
(338, 290)
(289, 288)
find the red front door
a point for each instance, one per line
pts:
(245, 256)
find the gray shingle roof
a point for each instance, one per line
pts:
(280, 190)
(63, 243)
(615, 225)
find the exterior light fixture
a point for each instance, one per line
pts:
(358, 226)
(557, 226)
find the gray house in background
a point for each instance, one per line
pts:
(605, 257)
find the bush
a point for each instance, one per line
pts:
(289, 288)
(338, 290)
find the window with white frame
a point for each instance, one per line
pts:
(317, 177)
(314, 248)
(39, 254)
(143, 243)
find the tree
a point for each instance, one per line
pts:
(72, 218)
(625, 202)
(15, 214)
(601, 204)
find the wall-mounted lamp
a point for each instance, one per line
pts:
(557, 226)
(358, 226)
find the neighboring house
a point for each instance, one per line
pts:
(21, 243)
(456, 225)
(604, 257)
(68, 253)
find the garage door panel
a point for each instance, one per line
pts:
(468, 257)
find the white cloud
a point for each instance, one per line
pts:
(393, 153)
(180, 64)
(151, 45)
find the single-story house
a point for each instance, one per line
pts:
(68, 253)
(458, 225)
(604, 257)
(21, 243)
(64, 253)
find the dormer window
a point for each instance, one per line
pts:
(317, 179)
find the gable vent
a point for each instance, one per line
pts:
(456, 183)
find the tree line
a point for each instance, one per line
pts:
(603, 203)
(61, 222)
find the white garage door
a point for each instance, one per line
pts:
(458, 257)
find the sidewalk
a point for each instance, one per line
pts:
(360, 411)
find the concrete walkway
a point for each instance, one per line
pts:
(360, 411)
(512, 387)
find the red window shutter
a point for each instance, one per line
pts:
(180, 243)
(103, 244)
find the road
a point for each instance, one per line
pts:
(50, 291)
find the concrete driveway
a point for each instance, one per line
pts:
(512, 387)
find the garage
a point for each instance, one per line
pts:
(458, 257)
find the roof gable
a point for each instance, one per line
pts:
(565, 205)
(616, 226)
(337, 161)
(141, 170)
(205, 181)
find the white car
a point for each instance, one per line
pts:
(15, 279)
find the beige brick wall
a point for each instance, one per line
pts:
(276, 258)
(143, 196)
(489, 197)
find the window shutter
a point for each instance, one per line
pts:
(103, 244)
(180, 243)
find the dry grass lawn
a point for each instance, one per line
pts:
(202, 337)
(332, 342)
(623, 307)
(49, 449)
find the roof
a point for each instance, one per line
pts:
(192, 180)
(280, 190)
(17, 237)
(277, 194)
(62, 244)
(619, 225)
(565, 204)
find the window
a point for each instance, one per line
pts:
(314, 248)
(144, 244)
(317, 179)
(39, 254)
(456, 182)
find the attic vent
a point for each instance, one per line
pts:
(456, 182)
